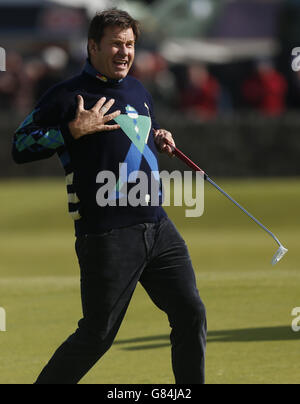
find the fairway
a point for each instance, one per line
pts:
(249, 302)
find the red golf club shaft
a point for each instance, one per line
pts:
(178, 153)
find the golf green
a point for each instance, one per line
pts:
(249, 303)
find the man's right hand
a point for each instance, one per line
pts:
(94, 120)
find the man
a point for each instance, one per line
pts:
(117, 245)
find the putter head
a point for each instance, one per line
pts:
(279, 254)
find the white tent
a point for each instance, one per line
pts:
(218, 51)
(90, 5)
(136, 8)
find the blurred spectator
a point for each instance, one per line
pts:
(12, 82)
(145, 66)
(201, 95)
(266, 90)
(24, 82)
(55, 60)
(153, 71)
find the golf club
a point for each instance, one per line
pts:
(281, 251)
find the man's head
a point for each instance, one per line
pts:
(111, 42)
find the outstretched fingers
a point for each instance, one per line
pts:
(80, 106)
(111, 116)
(101, 107)
(108, 118)
(99, 104)
(107, 128)
(106, 107)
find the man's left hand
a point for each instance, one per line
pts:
(160, 137)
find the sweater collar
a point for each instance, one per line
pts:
(89, 69)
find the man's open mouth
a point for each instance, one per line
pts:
(121, 63)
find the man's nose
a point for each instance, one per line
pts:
(123, 50)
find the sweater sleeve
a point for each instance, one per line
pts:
(39, 136)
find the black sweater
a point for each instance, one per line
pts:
(45, 132)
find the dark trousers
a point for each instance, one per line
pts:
(111, 265)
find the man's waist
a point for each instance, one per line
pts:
(100, 220)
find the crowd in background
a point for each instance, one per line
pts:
(193, 89)
(268, 87)
(27, 79)
(233, 104)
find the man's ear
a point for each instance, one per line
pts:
(92, 46)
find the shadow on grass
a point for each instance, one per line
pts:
(283, 333)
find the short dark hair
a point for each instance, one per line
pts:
(112, 17)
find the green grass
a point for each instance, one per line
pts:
(248, 302)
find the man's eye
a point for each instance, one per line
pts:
(118, 44)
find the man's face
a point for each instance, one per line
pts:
(114, 55)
